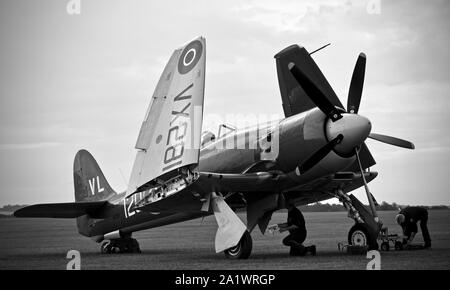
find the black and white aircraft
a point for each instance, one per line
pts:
(315, 153)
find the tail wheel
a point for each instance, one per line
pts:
(242, 250)
(362, 235)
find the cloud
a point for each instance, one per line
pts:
(29, 146)
(289, 16)
(86, 80)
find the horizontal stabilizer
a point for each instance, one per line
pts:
(60, 210)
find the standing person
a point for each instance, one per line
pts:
(297, 232)
(408, 219)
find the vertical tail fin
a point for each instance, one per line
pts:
(89, 181)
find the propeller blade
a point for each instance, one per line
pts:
(314, 93)
(356, 85)
(392, 141)
(319, 154)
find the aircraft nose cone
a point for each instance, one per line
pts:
(354, 128)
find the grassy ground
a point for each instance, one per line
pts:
(43, 244)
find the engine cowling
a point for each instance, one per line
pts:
(301, 136)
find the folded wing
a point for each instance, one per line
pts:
(170, 134)
(293, 96)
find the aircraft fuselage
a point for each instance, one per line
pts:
(238, 152)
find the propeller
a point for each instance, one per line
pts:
(356, 85)
(315, 93)
(354, 128)
(319, 154)
(392, 141)
(354, 98)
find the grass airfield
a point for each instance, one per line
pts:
(43, 244)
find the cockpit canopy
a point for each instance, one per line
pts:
(207, 137)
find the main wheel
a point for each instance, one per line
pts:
(362, 235)
(130, 246)
(135, 246)
(242, 250)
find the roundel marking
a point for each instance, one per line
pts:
(190, 56)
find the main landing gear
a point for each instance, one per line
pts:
(122, 245)
(367, 224)
(366, 229)
(241, 250)
(362, 235)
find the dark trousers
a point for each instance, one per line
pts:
(424, 229)
(295, 239)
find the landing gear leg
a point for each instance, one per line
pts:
(122, 245)
(365, 231)
(232, 236)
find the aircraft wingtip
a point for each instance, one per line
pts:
(290, 49)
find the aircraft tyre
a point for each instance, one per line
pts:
(134, 246)
(242, 250)
(362, 235)
(127, 245)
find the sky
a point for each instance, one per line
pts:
(84, 80)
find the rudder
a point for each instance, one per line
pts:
(89, 181)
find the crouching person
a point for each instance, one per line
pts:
(408, 219)
(297, 232)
